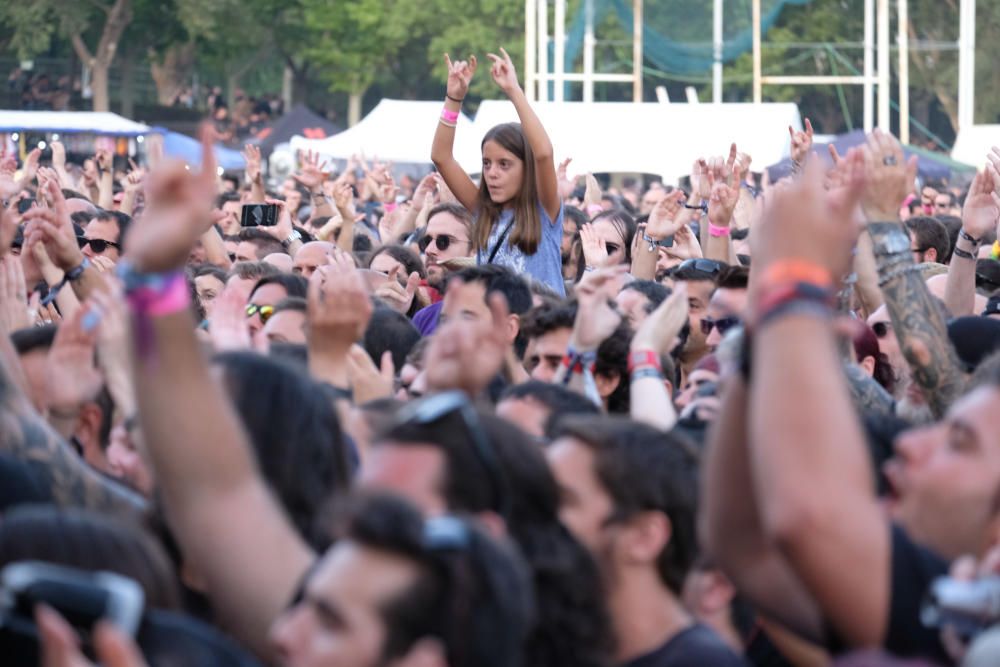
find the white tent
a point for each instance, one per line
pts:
(652, 138)
(973, 143)
(399, 131)
(71, 122)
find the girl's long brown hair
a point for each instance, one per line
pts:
(526, 233)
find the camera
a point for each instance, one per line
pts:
(82, 598)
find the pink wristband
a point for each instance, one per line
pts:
(449, 116)
(171, 298)
(716, 230)
(390, 207)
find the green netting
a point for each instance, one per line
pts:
(677, 34)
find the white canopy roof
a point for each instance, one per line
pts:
(71, 122)
(400, 131)
(973, 143)
(652, 138)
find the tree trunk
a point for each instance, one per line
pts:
(354, 108)
(128, 86)
(99, 86)
(287, 85)
(172, 71)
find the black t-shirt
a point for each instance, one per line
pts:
(913, 569)
(696, 646)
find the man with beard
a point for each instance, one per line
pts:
(447, 237)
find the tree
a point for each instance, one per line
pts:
(36, 22)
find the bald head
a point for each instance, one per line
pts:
(312, 255)
(280, 261)
(75, 205)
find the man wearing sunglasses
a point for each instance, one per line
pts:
(447, 237)
(726, 306)
(268, 293)
(103, 235)
(701, 276)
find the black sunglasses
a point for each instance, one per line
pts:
(442, 241)
(882, 329)
(434, 408)
(723, 324)
(97, 245)
(700, 264)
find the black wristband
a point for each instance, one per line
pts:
(958, 252)
(962, 234)
(453, 99)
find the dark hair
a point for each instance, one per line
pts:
(526, 232)
(34, 338)
(362, 243)
(458, 211)
(409, 259)
(392, 331)
(89, 541)
(557, 399)
(866, 345)
(930, 233)
(654, 292)
(226, 197)
(253, 270)
(294, 284)
(953, 225)
(210, 270)
(612, 359)
(122, 220)
(547, 318)
(573, 623)
(73, 194)
(295, 435)
(476, 598)
(81, 218)
(296, 303)
(500, 279)
(733, 277)
(264, 242)
(574, 214)
(644, 469)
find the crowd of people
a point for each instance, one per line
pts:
(513, 421)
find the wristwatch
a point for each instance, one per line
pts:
(292, 238)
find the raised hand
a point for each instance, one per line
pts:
(699, 179)
(368, 381)
(311, 175)
(503, 71)
(725, 189)
(178, 203)
(283, 228)
(592, 193)
(58, 155)
(982, 205)
(801, 142)
(888, 177)
(595, 253)
(30, 167)
(8, 166)
(595, 320)
(659, 331)
(53, 228)
(664, 219)
(460, 76)
(8, 227)
(103, 160)
(338, 310)
(343, 198)
(396, 296)
(802, 221)
(424, 192)
(566, 184)
(251, 154)
(72, 377)
(60, 644)
(14, 312)
(228, 327)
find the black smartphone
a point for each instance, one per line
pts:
(259, 215)
(24, 205)
(82, 598)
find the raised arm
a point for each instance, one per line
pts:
(442, 150)
(649, 401)
(216, 503)
(668, 216)
(505, 76)
(916, 319)
(817, 502)
(251, 154)
(979, 217)
(723, 176)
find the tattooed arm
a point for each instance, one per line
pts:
(916, 319)
(868, 395)
(25, 435)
